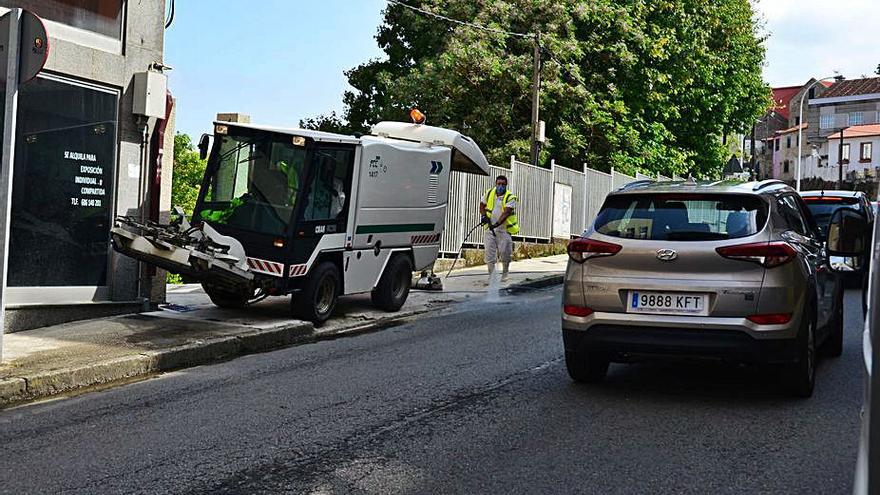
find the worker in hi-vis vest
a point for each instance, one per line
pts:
(497, 213)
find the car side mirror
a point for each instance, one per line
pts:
(204, 146)
(847, 239)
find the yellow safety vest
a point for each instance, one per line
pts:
(511, 224)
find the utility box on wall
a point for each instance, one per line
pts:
(149, 91)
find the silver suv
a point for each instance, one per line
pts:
(727, 270)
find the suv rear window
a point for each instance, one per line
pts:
(681, 217)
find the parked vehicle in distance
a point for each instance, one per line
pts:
(734, 271)
(823, 204)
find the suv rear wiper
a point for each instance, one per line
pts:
(696, 236)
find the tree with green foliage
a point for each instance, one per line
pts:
(327, 123)
(635, 85)
(188, 172)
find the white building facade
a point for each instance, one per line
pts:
(860, 148)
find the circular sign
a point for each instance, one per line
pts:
(34, 48)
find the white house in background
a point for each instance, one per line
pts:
(814, 166)
(861, 145)
(846, 104)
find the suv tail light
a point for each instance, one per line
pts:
(573, 310)
(766, 254)
(581, 250)
(770, 319)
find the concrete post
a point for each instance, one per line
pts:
(586, 199)
(463, 213)
(552, 210)
(9, 124)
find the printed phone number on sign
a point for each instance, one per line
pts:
(86, 202)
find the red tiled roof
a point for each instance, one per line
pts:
(781, 97)
(853, 87)
(857, 131)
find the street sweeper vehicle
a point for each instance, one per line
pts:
(311, 214)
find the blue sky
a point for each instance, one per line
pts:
(284, 60)
(278, 62)
(814, 38)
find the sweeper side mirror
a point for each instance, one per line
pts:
(204, 146)
(847, 241)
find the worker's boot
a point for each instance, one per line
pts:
(505, 267)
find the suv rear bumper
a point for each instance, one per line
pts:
(729, 339)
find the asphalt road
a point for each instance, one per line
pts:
(473, 400)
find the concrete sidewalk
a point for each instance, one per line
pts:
(190, 331)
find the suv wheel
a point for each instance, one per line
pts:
(586, 367)
(834, 342)
(800, 377)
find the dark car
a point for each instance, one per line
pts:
(822, 205)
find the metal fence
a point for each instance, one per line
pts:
(462, 212)
(597, 185)
(536, 184)
(574, 180)
(555, 203)
(619, 180)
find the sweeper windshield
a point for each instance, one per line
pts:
(253, 182)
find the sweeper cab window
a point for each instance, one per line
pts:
(253, 182)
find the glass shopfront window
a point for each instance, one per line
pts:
(62, 196)
(98, 16)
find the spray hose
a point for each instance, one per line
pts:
(461, 248)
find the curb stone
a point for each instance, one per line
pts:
(539, 283)
(12, 387)
(369, 326)
(260, 341)
(48, 383)
(194, 354)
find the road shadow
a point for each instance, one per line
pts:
(696, 381)
(692, 379)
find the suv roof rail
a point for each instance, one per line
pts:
(767, 183)
(636, 183)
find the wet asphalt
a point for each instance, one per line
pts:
(471, 400)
